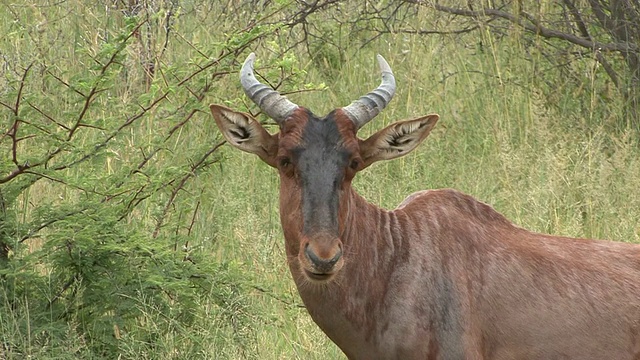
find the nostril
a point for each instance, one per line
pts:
(320, 263)
(311, 255)
(335, 259)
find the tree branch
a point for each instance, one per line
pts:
(536, 27)
(582, 27)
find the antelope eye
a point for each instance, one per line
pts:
(355, 164)
(285, 162)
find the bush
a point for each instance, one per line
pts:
(104, 142)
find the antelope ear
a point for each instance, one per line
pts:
(397, 139)
(245, 133)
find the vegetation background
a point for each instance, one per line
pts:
(127, 229)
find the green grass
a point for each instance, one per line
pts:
(542, 164)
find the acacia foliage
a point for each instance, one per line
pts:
(99, 194)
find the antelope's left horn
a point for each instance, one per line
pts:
(268, 100)
(367, 107)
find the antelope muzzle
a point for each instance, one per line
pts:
(321, 259)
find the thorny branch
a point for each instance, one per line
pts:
(584, 32)
(607, 30)
(39, 169)
(181, 183)
(536, 27)
(13, 131)
(94, 90)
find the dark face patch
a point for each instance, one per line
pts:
(321, 160)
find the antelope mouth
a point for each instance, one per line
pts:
(318, 276)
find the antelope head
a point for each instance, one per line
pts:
(317, 159)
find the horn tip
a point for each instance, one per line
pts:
(384, 65)
(250, 59)
(246, 72)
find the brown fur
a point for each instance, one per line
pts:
(445, 276)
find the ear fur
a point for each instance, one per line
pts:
(244, 132)
(397, 139)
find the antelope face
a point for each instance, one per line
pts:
(317, 159)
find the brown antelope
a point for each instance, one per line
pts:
(443, 276)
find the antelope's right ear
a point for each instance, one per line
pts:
(245, 133)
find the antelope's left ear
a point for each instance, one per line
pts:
(246, 133)
(397, 139)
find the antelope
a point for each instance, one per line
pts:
(443, 276)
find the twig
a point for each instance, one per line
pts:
(537, 28)
(180, 186)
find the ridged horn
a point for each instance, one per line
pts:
(367, 107)
(268, 100)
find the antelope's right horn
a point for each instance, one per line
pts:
(268, 100)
